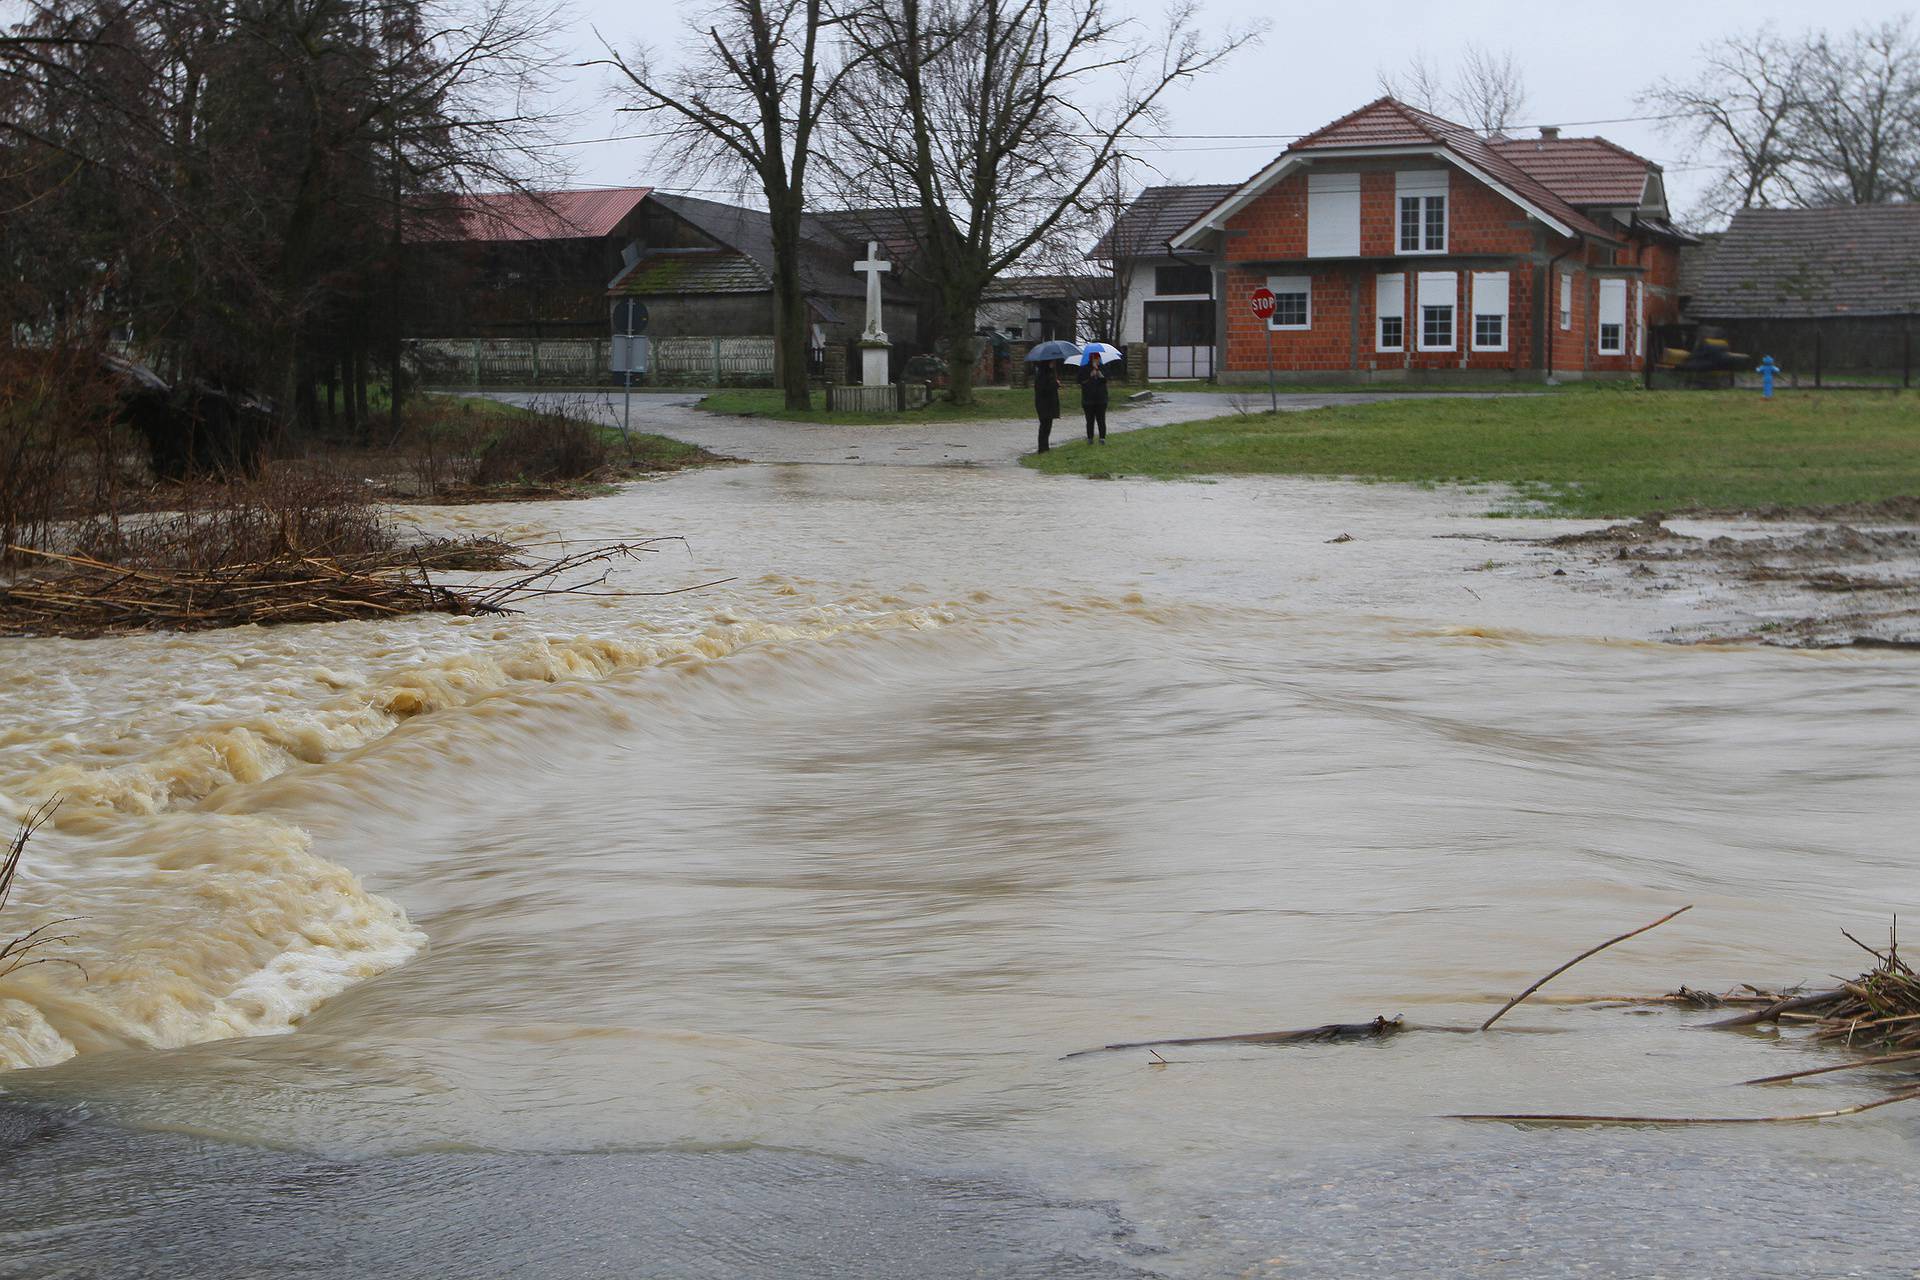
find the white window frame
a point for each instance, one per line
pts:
(1498, 291)
(1639, 318)
(1333, 215)
(1427, 186)
(1566, 300)
(1282, 285)
(1390, 286)
(1612, 310)
(1433, 284)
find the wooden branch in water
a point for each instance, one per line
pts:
(1908, 1096)
(1332, 1032)
(1576, 960)
(1773, 1011)
(1782, 1078)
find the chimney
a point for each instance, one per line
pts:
(1548, 132)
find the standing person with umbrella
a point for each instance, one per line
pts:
(1046, 360)
(1093, 388)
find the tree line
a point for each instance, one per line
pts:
(227, 185)
(1802, 121)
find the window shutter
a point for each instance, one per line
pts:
(1420, 182)
(1333, 215)
(1613, 302)
(1390, 296)
(1490, 293)
(1438, 289)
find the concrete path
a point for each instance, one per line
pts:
(911, 443)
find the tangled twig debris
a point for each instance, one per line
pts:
(88, 596)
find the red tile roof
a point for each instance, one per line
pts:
(1388, 122)
(541, 215)
(1582, 171)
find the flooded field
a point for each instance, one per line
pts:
(745, 931)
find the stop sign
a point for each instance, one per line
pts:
(1262, 300)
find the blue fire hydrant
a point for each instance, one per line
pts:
(1767, 369)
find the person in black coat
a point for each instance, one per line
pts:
(1093, 396)
(1046, 398)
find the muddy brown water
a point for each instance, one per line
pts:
(743, 932)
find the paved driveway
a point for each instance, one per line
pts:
(979, 443)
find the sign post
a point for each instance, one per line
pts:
(1262, 300)
(629, 323)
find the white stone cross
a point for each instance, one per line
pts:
(873, 266)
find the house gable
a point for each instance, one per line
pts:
(1388, 129)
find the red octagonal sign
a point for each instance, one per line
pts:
(1262, 300)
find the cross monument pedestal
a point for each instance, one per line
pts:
(874, 346)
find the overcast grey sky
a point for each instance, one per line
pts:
(1582, 62)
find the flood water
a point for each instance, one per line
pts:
(743, 932)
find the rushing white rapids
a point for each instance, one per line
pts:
(189, 920)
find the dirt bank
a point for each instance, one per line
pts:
(1823, 585)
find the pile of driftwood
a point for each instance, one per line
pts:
(80, 595)
(1878, 1012)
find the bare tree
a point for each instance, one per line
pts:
(1740, 107)
(1487, 91)
(1857, 135)
(1117, 248)
(1418, 84)
(745, 101)
(983, 115)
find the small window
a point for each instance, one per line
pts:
(1423, 224)
(1566, 301)
(1422, 198)
(1490, 298)
(1438, 296)
(1613, 317)
(1183, 279)
(1390, 311)
(1292, 302)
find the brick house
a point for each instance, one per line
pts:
(1401, 245)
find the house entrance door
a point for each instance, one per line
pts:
(1179, 339)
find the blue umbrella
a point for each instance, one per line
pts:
(1108, 354)
(1053, 349)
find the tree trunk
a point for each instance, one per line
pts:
(362, 417)
(789, 309)
(961, 344)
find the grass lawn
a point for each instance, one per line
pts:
(988, 403)
(1629, 453)
(1258, 390)
(648, 452)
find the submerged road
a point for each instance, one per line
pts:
(986, 442)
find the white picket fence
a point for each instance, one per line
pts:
(713, 361)
(524, 362)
